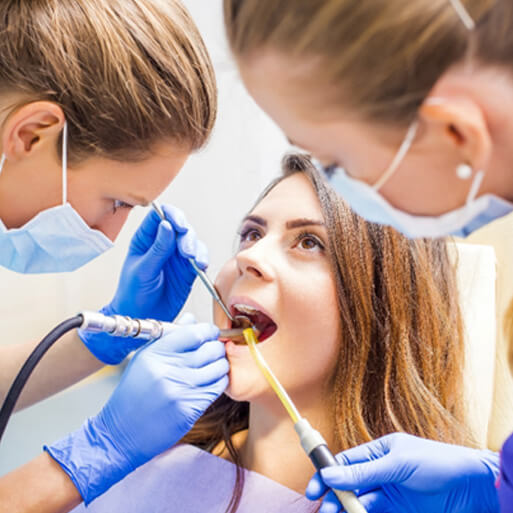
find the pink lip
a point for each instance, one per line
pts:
(244, 300)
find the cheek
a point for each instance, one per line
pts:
(312, 333)
(87, 199)
(111, 224)
(95, 212)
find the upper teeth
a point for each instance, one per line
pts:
(245, 309)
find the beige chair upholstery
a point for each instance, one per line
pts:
(476, 283)
(499, 235)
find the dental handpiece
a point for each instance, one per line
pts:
(142, 329)
(201, 274)
(95, 322)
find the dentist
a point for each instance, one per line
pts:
(100, 106)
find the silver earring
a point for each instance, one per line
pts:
(464, 171)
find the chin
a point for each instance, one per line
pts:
(246, 384)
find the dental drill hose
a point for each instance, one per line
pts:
(29, 365)
(115, 325)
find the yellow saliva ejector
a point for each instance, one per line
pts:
(311, 440)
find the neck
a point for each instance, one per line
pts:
(272, 447)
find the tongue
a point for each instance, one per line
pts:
(265, 325)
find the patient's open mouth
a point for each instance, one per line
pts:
(261, 321)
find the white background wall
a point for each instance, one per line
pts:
(216, 187)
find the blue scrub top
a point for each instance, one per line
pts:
(506, 479)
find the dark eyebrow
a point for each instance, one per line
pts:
(290, 225)
(299, 223)
(257, 220)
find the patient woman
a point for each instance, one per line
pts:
(360, 325)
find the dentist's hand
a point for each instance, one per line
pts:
(165, 389)
(404, 474)
(155, 281)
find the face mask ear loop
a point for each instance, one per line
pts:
(2, 162)
(476, 185)
(65, 163)
(401, 153)
(463, 14)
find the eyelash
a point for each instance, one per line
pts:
(117, 204)
(307, 235)
(298, 239)
(245, 232)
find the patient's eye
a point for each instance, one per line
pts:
(309, 242)
(249, 235)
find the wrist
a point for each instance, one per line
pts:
(91, 459)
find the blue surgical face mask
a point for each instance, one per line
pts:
(55, 240)
(366, 201)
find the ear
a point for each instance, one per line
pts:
(31, 128)
(461, 123)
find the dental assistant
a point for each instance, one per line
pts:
(87, 131)
(408, 107)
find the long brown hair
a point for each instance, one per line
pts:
(127, 73)
(381, 58)
(384, 56)
(401, 336)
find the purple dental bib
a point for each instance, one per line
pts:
(186, 479)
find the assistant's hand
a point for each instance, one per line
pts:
(405, 474)
(155, 281)
(165, 389)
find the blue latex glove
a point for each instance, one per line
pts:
(506, 479)
(155, 281)
(165, 389)
(405, 474)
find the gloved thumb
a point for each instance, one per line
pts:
(161, 249)
(369, 475)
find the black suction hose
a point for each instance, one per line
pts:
(30, 364)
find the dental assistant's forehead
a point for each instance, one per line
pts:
(282, 98)
(291, 204)
(334, 135)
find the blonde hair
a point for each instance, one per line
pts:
(401, 336)
(126, 73)
(381, 58)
